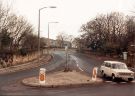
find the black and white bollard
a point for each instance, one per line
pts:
(42, 76)
(94, 73)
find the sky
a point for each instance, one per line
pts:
(70, 14)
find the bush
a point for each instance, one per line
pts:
(23, 51)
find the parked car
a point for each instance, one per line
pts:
(115, 70)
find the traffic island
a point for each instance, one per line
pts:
(61, 79)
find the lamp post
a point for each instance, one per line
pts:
(39, 29)
(48, 34)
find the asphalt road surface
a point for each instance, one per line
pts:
(10, 83)
(104, 89)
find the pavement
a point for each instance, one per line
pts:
(33, 64)
(62, 79)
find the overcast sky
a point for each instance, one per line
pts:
(70, 14)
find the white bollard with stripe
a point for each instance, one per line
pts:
(94, 73)
(42, 75)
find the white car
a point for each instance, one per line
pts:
(115, 70)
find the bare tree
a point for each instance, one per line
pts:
(61, 37)
(70, 38)
(30, 42)
(13, 32)
(105, 32)
(130, 28)
(18, 27)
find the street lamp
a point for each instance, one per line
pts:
(48, 34)
(39, 29)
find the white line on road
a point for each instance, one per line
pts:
(77, 63)
(108, 81)
(80, 68)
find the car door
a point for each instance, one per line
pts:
(108, 68)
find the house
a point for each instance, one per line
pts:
(57, 43)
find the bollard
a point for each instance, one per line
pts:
(94, 73)
(42, 76)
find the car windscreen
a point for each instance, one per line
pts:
(119, 66)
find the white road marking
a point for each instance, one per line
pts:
(80, 68)
(108, 81)
(77, 63)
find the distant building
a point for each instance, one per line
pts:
(53, 43)
(58, 44)
(67, 43)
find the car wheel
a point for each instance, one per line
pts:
(130, 79)
(103, 74)
(113, 77)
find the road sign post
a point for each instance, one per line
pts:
(125, 55)
(66, 51)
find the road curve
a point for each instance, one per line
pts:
(13, 77)
(76, 60)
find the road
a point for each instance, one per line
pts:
(10, 83)
(91, 90)
(13, 77)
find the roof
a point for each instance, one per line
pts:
(114, 62)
